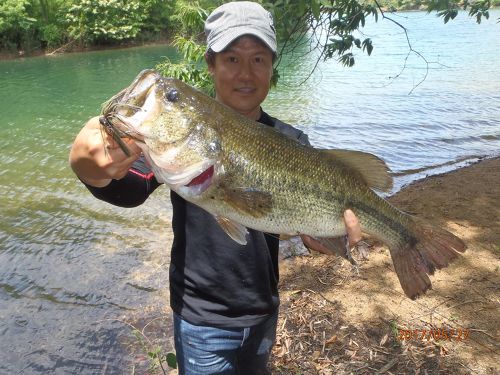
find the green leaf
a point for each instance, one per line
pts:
(315, 8)
(171, 360)
(369, 49)
(301, 7)
(347, 60)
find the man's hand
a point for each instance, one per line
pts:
(352, 228)
(353, 231)
(97, 159)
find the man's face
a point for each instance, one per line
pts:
(242, 75)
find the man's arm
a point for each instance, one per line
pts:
(106, 171)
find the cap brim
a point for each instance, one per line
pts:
(231, 35)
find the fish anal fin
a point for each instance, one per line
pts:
(253, 202)
(331, 246)
(233, 229)
(373, 170)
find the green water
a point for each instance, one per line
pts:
(67, 262)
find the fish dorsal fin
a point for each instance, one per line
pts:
(373, 170)
(234, 230)
(255, 203)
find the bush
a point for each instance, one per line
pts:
(51, 35)
(110, 21)
(16, 24)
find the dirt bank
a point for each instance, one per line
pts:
(336, 321)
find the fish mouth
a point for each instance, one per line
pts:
(202, 177)
(200, 183)
(124, 112)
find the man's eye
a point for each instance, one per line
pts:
(233, 59)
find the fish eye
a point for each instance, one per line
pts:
(172, 95)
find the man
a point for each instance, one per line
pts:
(224, 295)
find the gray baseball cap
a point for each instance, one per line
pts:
(232, 20)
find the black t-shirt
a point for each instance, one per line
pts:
(213, 280)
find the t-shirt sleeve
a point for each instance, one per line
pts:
(130, 191)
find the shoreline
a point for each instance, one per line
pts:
(442, 170)
(7, 56)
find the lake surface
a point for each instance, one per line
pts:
(75, 273)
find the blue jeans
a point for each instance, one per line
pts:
(209, 350)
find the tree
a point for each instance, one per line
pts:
(109, 21)
(189, 18)
(15, 22)
(102, 21)
(51, 21)
(30, 24)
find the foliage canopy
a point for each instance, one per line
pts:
(31, 24)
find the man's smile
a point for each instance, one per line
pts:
(245, 90)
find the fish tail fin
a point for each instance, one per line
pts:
(426, 249)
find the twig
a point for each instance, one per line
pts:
(63, 46)
(483, 332)
(468, 368)
(409, 52)
(463, 303)
(151, 321)
(321, 294)
(141, 333)
(388, 365)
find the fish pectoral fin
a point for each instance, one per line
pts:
(233, 229)
(253, 202)
(373, 170)
(331, 246)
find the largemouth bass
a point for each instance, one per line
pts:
(249, 175)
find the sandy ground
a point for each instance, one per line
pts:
(336, 321)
